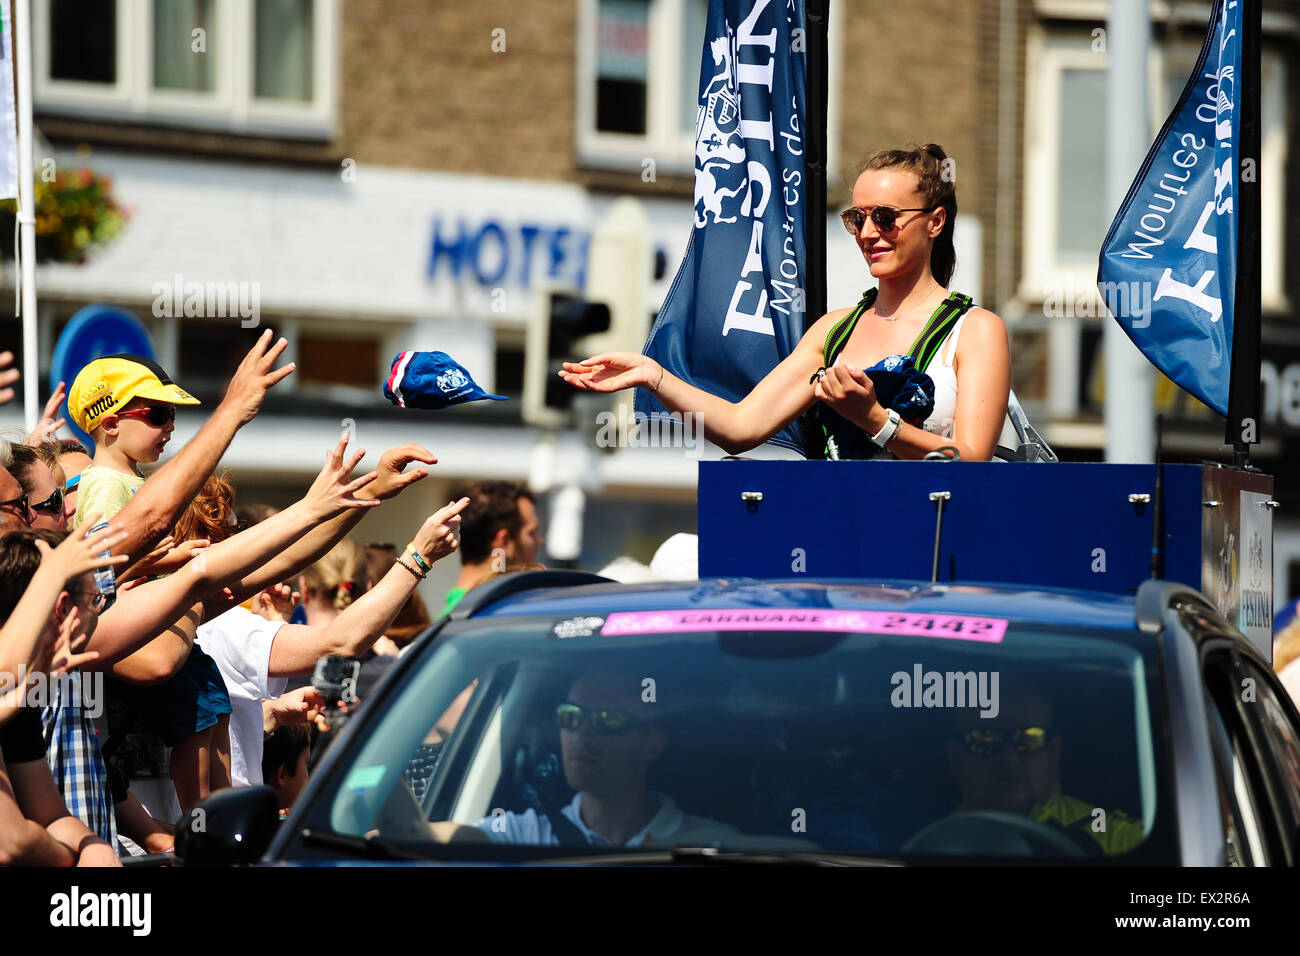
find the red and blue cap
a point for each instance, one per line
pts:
(431, 380)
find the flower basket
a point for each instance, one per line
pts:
(75, 214)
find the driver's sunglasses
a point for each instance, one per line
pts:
(571, 717)
(157, 415)
(985, 742)
(53, 505)
(885, 217)
(22, 503)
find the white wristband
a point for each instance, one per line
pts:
(889, 430)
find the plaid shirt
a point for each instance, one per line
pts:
(72, 749)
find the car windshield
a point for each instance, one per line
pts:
(720, 729)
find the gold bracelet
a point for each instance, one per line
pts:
(418, 575)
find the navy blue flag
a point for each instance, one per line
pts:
(736, 308)
(1168, 267)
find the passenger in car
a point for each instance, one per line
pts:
(609, 738)
(1011, 763)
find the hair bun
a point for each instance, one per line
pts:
(935, 150)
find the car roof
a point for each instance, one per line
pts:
(1087, 609)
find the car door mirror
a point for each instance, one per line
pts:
(228, 828)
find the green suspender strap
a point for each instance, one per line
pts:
(932, 337)
(839, 334)
(927, 344)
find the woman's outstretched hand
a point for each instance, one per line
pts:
(613, 372)
(851, 393)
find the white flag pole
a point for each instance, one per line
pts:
(21, 25)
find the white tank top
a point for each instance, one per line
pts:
(944, 376)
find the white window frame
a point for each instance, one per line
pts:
(1046, 64)
(672, 150)
(229, 107)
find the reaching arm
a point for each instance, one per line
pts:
(782, 396)
(305, 552)
(296, 648)
(23, 638)
(153, 510)
(163, 656)
(145, 610)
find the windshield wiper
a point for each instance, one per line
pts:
(714, 856)
(372, 847)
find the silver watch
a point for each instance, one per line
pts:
(888, 430)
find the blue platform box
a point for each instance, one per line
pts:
(1075, 525)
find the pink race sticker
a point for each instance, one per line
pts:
(989, 630)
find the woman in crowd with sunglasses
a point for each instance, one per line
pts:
(902, 217)
(43, 486)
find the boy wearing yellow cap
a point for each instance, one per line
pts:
(127, 404)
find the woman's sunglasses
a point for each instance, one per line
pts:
(572, 716)
(157, 415)
(885, 217)
(53, 505)
(986, 742)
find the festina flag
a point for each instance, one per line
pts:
(1168, 266)
(736, 307)
(8, 126)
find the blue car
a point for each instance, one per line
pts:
(555, 716)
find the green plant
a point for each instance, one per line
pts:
(75, 213)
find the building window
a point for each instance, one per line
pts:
(1066, 210)
(250, 66)
(638, 76)
(337, 361)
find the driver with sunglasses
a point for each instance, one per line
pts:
(608, 739)
(1011, 763)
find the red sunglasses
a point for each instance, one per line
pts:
(157, 415)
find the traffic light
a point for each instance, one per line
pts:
(554, 329)
(611, 315)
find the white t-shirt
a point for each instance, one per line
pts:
(240, 642)
(668, 827)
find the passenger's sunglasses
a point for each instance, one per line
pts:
(21, 503)
(572, 716)
(885, 217)
(157, 415)
(100, 602)
(985, 742)
(53, 505)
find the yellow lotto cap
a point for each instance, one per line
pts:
(108, 383)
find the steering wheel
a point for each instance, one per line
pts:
(987, 833)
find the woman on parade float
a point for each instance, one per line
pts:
(902, 217)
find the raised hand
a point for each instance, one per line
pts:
(393, 477)
(333, 490)
(7, 377)
(82, 551)
(276, 603)
(439, 536)
(613, 372)
(49, 424)
(71, 637)
(255, 377)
